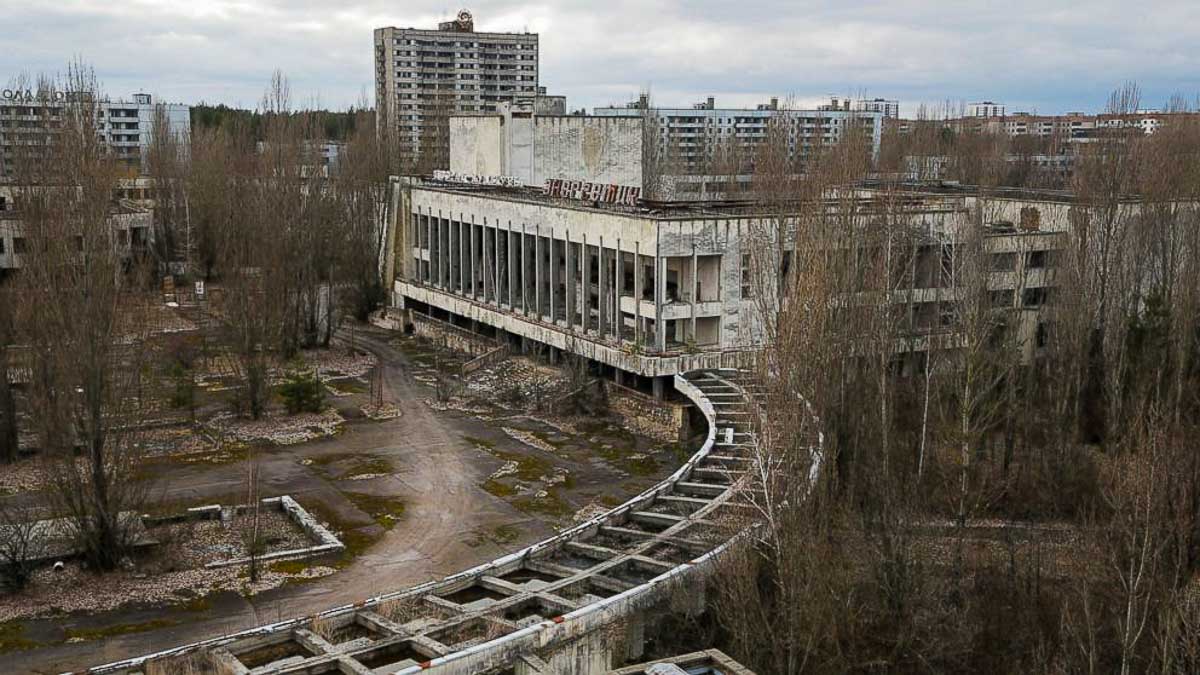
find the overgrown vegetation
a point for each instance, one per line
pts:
(302, 392)
(1024, 498)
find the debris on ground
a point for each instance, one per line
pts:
(336, 362)
(277, 428)
(387, 411)
(174, 571)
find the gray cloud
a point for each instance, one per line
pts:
(1040, 56)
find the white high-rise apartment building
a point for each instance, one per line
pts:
(423, 76)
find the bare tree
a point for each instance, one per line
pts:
(86, 321)
(166, 159)
(360, 186)
(9, 427)
(251, 521)
(21, 540)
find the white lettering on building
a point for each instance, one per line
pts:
(468, 179)
(593, 192)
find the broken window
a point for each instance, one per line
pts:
(747, 285)
(1034, 297)
(1004, 262)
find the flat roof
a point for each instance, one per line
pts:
(965, 190)
(661, 211)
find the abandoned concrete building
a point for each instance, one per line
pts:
(650, 293)
(646, 296)
(666, 154)
(131, 223)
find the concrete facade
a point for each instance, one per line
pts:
(649, 295)
(655, 294)
(534, 148)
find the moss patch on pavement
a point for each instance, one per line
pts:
(385, 510)
(13, 639)
(89, 634)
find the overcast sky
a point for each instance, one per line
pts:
(1045, 56)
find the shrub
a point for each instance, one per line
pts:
(184, 393)
(302, 392)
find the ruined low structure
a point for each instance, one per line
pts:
(132, 225)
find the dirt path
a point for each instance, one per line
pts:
(438, 475)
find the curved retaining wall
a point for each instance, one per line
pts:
(558, 591)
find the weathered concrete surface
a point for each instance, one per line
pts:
(536, 148)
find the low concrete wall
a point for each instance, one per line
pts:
(487, 360)
(453, 337)
(325, 541)
(665, 421)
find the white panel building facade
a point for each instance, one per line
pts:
(126, 127)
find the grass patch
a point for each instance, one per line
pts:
(386, 511)
(505, 534)
(326, 460)
(529, 467)
(200, 604)
(367, 467)
(611, 501)
(12, 638)
(348, 385)
(119, 629)
(363, 464)
(290, 566)
(230, 453)
(622, 458)
(549, 505)
(356, 541)
(293, 568)
(481, 442)
(498, 489)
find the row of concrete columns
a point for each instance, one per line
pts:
(518, 268)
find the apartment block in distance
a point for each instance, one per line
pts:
(688, 139)
(890, 108)
(126, 127)
(423, 76)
